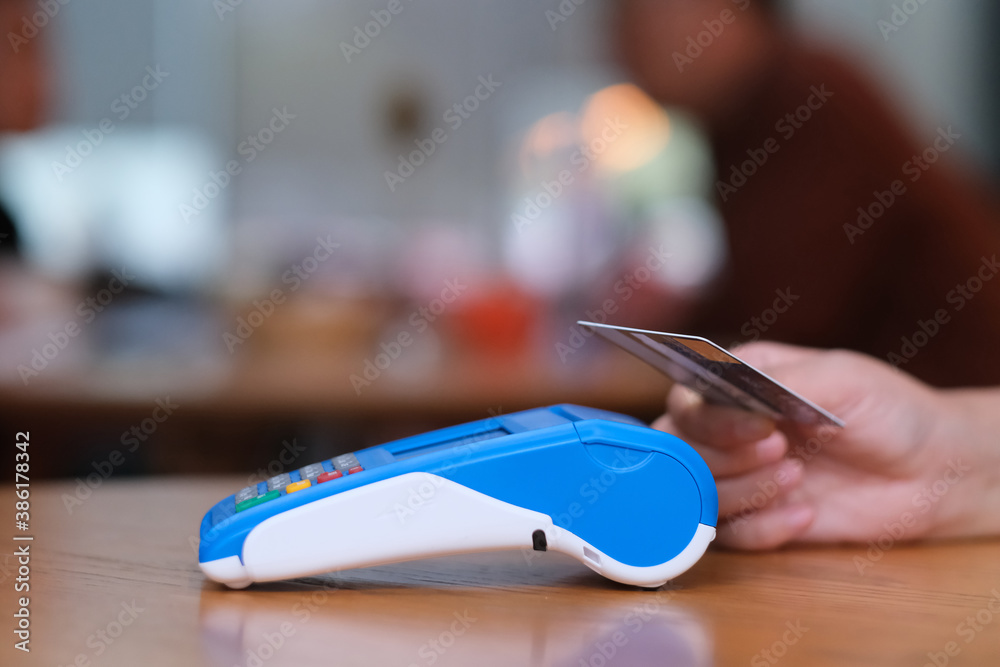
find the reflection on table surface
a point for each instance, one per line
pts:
(485, 610)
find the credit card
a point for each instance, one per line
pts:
(718, 375)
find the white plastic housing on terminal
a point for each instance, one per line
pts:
(416, 515)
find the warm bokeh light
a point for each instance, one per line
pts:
(620, 128)
(547, 137)
(625, 127)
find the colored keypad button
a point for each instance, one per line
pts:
(298, 486)
(344, 462)
(246, 493)
(253, 502)
(311, 470)
(354, 470)
(327, 476)
(279, 482)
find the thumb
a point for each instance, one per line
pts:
(766, 355)
(828, 378)
(887, 412)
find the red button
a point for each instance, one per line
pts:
(327, 476)
(354, 470)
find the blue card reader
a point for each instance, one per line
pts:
(635, 504)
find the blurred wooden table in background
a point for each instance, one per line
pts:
(235, 413)
(117, 583)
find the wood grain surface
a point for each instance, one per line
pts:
(115, 581)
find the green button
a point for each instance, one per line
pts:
(252, 502)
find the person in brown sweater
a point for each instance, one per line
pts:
(844, 229)
(23, 86)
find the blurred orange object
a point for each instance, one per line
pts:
(497, 320)
(23, 68)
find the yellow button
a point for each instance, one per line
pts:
(297, 486)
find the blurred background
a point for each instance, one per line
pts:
(240, 235)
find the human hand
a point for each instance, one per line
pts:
(907, 463)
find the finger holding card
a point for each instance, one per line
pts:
(742, 422)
